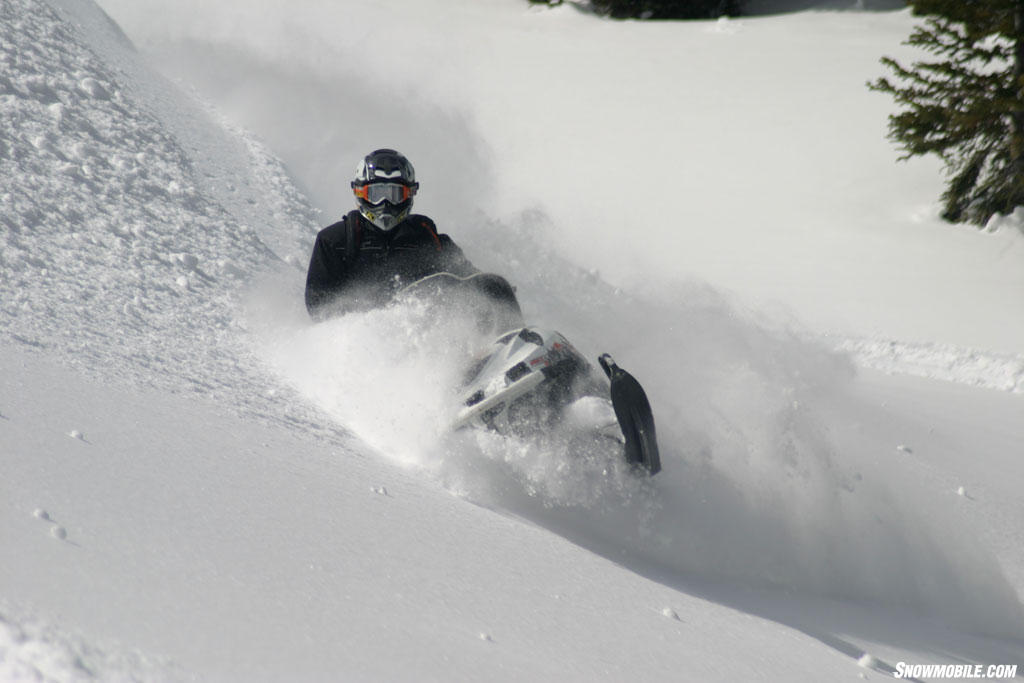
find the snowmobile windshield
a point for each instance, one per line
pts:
(376, 193)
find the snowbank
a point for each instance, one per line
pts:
(127, 233)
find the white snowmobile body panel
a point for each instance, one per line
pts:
(527, 378)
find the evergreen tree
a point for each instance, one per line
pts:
(967, 106)
(667, 9)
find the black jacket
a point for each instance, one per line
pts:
(369, 265)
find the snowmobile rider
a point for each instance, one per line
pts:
(379, 248)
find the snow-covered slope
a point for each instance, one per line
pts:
(200, 484)
(129, 216)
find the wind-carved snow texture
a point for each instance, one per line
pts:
(31, 650)
(1004, 372)
(126, 238)
(769, 477)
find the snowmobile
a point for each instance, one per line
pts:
(533, 378)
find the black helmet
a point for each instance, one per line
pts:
(384, 185)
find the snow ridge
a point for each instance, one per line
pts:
(127, 234)
(1003, 372)
(106, 220)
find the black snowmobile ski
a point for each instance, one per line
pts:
(633, 411)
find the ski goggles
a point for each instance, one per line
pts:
(375, 193)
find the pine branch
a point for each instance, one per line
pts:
(966, 103)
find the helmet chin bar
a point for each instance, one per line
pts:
(382, 218)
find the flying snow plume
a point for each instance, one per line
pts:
(390, 375)
(771, 472)
(771, 477)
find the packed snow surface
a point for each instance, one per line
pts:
(200, 483)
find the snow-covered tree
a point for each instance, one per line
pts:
(966, 106)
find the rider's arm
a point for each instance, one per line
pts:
(453, 260)
(327, 273)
